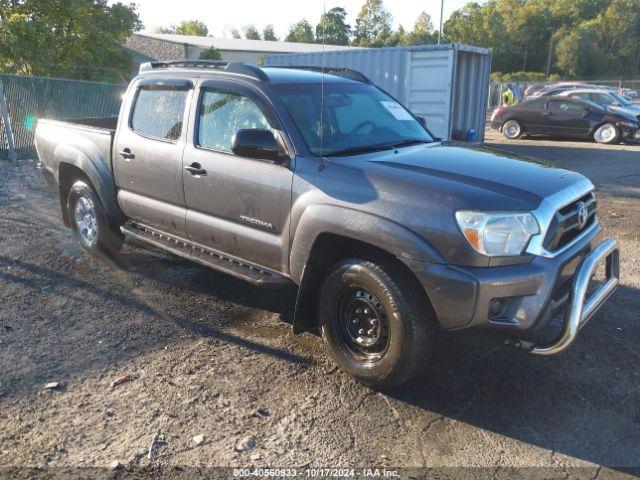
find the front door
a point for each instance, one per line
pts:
(148, 155)
(566, 118)
(238, 206)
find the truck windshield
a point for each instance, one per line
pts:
(356, 118)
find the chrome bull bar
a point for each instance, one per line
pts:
(580, 310)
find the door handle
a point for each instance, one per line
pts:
(126, 154)
(547, 114)
(196, 170)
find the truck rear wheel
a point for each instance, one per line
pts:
(374, 323)
(90, 222)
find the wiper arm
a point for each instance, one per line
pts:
(409, 141)
(358, 150)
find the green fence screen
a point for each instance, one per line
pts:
(30, 98)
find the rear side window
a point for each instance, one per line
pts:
(567, 108)
(158, 113)
(222, 114)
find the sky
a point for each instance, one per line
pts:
(221, 18)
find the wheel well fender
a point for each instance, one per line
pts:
(326, 235)
(76, 164)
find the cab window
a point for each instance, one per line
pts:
(222, 114)
(158, 112)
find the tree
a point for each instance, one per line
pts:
(269, 33)
(423, 31)
(373, 25)
(75, 38)
(333, 29)
(235, 33)
(301, 32)
(211, 53)
(251, 32)
(192, 27)
(577, 53)
(543, 35)
(164, 30)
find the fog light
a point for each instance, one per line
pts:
(496, 307)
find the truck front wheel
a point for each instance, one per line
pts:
(90, 222)
(374, 322)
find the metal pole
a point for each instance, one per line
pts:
(4, 110)
(441, 13)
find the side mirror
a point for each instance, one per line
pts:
(256, 143)
(422, 121)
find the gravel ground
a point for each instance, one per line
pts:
(212, 375)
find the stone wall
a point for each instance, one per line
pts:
(157, 49)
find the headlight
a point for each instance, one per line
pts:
(497, 233)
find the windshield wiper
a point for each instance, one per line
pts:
(357, 150)
(409, 141)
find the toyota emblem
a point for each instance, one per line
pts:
(583, 216)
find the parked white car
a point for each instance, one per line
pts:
(607, 98)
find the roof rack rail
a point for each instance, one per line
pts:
(231, 67)
(339, 71)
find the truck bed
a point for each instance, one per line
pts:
(90, 137)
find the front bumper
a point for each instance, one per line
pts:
(532, 294)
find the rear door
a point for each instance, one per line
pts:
(238, 206)
(148, 154)
(566, 117)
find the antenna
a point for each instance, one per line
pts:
(321, 166)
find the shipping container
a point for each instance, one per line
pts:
(446, 84)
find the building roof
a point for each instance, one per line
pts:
(240, 44)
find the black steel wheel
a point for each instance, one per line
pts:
(376, 322)
(362, 325)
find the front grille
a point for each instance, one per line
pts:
(564, 226)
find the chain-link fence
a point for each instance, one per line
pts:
(30, 98)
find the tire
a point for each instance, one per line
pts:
(360, 294)
(607, 134)
(90, 223)
(512, 129)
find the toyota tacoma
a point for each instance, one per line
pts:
(317, 178)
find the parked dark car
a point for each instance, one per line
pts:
(324, 183)
(564, 117)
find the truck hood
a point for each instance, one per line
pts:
(526, 181)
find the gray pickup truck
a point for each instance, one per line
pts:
(321, 180)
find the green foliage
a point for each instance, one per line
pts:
(192, 27)
(66, 38)
(423, 32)
(571, 37)
(269, 33)
(518, 77)
(301, 32)
(210, 54)
(333, 27)
(164, 30)
(373, 25)
(235, 33)
(186, 27)
(251, 32)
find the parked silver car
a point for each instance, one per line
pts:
(607, 98)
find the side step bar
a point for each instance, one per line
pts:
(208, 257)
